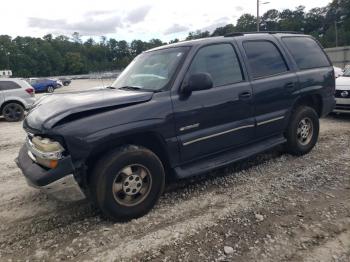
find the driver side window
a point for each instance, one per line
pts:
(220, 61)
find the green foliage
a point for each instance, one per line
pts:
(62, 55)
(197, 34)
(48, 56)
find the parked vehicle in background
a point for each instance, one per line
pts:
(342, 93)
(178, 110)
(338, 71)
(66, 81)
(44, 84)
(16, 95)
(5, 73)
(58, 81)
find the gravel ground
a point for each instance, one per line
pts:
(273, 207)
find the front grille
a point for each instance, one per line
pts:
(342, 107)
(339, 92)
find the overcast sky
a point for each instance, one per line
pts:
(129, 19)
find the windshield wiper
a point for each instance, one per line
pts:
(136, 88)
(130, 87)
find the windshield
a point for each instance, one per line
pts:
(151, 71)
(347, 72)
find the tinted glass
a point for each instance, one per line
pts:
(8, 85)
(264, 58)
(306, 52)
(220, 61)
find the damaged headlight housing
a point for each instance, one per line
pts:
(44, 151)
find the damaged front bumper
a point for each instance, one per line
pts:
(58, 182)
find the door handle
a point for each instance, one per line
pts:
(245, 95)
(289, 85)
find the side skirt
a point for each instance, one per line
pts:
(228, 157)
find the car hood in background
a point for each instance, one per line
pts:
(343, 83)
(50, 109)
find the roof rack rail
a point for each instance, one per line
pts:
(261, 32)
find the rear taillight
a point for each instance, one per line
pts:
(30, 91)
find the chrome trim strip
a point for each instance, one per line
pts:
(189, 127)
(45, 155)
(215, 135)
(270, 120)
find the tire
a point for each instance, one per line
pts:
(50, 89)
(302, 132)
(13, 112)
(65, 83)
(127, 182)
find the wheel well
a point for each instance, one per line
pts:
(8, 102)
(313, 101)
(149, 140)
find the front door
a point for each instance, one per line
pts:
(213, 120)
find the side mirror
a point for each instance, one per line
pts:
(198, 81)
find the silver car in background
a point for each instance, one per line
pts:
(16, 96)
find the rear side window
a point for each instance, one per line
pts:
(220, 61)
(264, 58)
(306, 52)
(8, 85)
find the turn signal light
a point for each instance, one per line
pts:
(47, 162)
(53, 163)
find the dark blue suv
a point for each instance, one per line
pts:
(44, 85)
(178, 110)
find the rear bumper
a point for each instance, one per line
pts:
(28, 102)
(59, 182)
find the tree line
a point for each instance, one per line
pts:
(62, 55)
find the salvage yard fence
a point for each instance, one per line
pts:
(340, 56)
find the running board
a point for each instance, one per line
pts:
(228, 157)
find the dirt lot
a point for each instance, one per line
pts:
(81, 84)
(273, 207)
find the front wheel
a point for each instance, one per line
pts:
(302, 132)
(127, 182)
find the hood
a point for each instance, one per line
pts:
(343, 83)
(50, 109)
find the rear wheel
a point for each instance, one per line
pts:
(127, 182)
(50, 89)
(13, 112)
(302, 131)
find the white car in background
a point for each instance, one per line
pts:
(16, 96)
(342, 93)
(338, 71)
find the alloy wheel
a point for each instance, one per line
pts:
(12, 112)
(132, 185)
(305, 131)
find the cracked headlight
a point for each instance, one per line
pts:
(44, 151)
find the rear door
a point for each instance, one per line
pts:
(273, 82)
(209, 121)
(315, 71)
